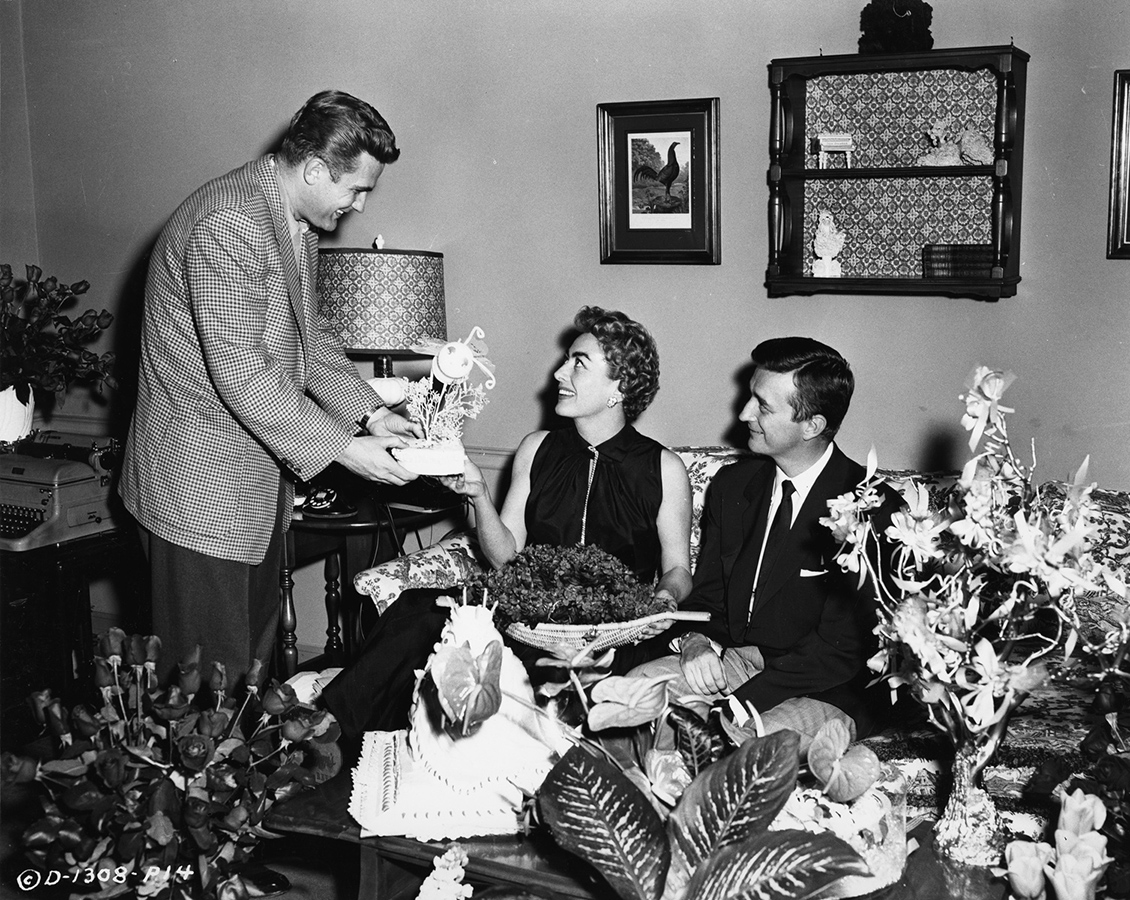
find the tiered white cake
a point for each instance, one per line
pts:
(430, 784)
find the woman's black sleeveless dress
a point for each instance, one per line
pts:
(607, 495)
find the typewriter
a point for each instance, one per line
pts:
(56, 487)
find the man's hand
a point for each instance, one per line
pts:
(368, 457)
(702, 667)
(390, 424)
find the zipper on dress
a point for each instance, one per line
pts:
(588, 492)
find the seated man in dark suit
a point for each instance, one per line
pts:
(790, 632)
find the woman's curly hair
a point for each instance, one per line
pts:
(631, 354)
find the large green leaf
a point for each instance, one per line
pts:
(594, 811)
(734, 798)
(778, 864)
(697, 742)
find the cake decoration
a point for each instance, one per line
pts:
(475, 748)
(440, 402)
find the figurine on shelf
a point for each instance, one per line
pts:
(950, 146)
(895, 26)
(828, 242)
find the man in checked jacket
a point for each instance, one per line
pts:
(244, 386)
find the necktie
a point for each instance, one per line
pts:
(778, 532)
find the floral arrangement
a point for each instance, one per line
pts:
(978, 596)
(162, 793)
(441, 411)
(441, 401)
(575, 585)
(1074, 866)
(42, 347)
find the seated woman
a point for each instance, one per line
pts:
(598, 481)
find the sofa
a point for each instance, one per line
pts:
(1049, 725)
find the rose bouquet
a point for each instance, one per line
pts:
(981, 594)
(162, 793)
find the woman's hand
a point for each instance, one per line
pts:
(469, 484)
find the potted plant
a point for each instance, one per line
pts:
(42, 349)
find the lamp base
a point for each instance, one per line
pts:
(382, 366)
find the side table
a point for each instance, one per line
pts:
(348, 545)
(393, 867)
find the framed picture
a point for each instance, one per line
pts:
(1118, 228)
(658, 180)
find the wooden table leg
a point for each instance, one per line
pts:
(334, 650)
(288, 619)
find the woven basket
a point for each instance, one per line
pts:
(546, 636)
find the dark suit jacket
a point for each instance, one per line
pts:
(241, 376)
(812, 625)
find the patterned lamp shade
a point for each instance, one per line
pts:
(383, 300)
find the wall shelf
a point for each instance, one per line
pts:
(894, 210)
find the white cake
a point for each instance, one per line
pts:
(427, 784)
(874, 825)
(424, 458)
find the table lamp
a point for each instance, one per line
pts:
(383, 301)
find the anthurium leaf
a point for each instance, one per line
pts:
(697, 742)
(737, 796)
(468, 686)
(622, 702)
(774, 866)
(595, 812)
(829, 744)
(853, 774)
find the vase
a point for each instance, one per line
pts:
(15, 417)
(969, 830)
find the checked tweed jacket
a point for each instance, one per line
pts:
(241, 378)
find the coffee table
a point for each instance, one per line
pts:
(392, 868)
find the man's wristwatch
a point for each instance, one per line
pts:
(363, 422)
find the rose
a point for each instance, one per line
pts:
(213, 723)
(195, 751)
(111, 767)
(38, 701)
(279, 699)
(174, 705)
(189, 669)
(84, 723)
(219, 680)
(196, 812)
(103, 674)
(297, 729)
(135, 650)
(253, 676)
(112, 645)
(17, 769)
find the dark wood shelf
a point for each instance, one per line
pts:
(890, 172)
(979, 288)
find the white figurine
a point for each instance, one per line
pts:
(828, 242)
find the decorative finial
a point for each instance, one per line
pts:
(379, 242)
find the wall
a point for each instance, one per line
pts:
(494, 106)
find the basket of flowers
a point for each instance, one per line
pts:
(577, 596)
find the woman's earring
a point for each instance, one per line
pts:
(612, 401)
